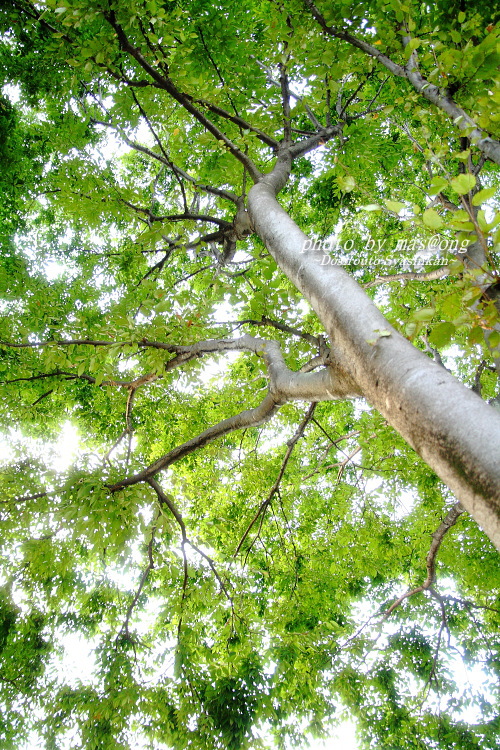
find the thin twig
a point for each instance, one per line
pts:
(275, 488)
(437, 538)
(438, 273)
(142, 582)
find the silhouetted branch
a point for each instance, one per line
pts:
(437, 538)
(274, 489)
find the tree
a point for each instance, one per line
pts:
(244, 565)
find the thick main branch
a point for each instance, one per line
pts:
(284, 385)
(452, 429)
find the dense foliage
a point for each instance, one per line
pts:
(250, 591)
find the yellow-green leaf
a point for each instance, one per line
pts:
(476, 335)
(432, 219)
(395, 206)
(424, 314)
(463, 183)
(483, 195)
(437, 184)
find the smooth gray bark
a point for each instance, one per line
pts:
(332, 382)
(452, 429)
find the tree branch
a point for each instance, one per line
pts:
(274, 489)
(160, 146)
(437, 538)
(487, 145)
(142, 581)
(165, 499)
(285, 103)
(186, 216)
(270, 79)
(438, 273)
(284, 385)
(164, 82)
(178, 172)
(264, 321)
(395, 69)
(318, 139)
(248, 418)
(239, 121)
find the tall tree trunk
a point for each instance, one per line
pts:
(450, 427)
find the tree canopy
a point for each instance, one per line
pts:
(250, 257)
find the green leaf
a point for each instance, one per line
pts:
(483, 195)
(424, 314)
(494, 339)
(347, 183)
(463, 183)
(394, 206)
(437, 185)
(476, 335)
(412, 45)
(432, 219)
(442, 334)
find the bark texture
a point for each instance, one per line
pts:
(449, 426)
